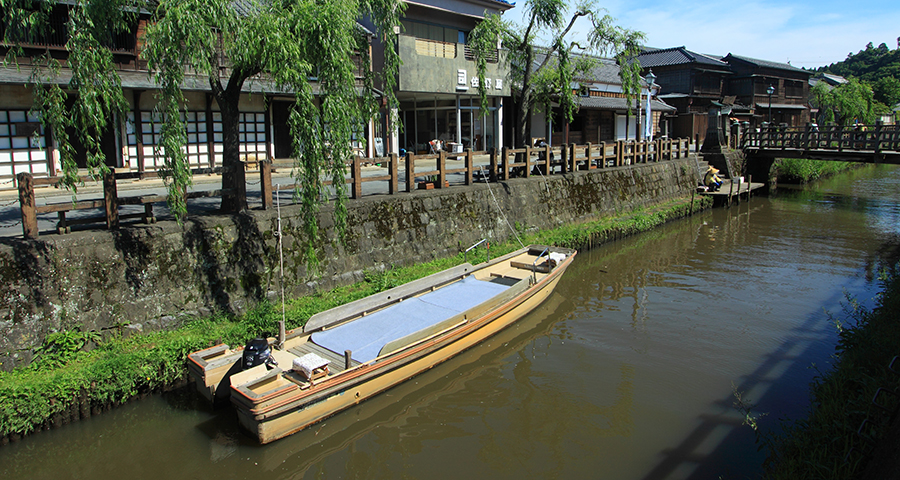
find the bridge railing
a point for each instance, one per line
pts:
(875, 138)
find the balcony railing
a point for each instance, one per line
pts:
(494, 57)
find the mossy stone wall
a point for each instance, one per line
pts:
(145, 277)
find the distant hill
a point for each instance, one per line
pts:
(870, 64)
(879, 67)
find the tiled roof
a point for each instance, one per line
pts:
(605, 70)
(652, 57)
(781, 106)
(765, 63)
(609, 103)
(832, 79)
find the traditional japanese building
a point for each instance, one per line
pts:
(604, 114)
(438, 82)
(788, 102)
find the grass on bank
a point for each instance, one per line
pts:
(826, 445)
(66, 375)
(804, 170)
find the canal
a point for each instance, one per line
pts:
(628, 371)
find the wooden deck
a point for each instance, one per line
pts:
(730, 189)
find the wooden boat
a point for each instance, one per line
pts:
(350, 353)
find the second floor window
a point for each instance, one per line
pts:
(430, 31)
(793, 88)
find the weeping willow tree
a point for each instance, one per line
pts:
(313, 48)
(77, 102)
(845, 104)
(564, 59)
(288, 43)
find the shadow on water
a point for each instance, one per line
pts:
(717, 447)
(767, 387)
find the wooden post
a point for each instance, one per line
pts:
(528, 161)
(493, 173)
(26, 205)
(876, 138)
(347, 360)
(602, 155)
(573, 162)
(442, 167)
(392, 172)
(547, 162)
(749, 186)
(470, 164)
(731, 191)
(587, 155)
(620, 153)
(111, 199)
(564, 159)
(504, 163)
(410, 171)
(265, 183)
(356, 178)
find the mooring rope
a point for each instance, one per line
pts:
(497, 204)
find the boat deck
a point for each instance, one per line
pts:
(366, 336)
(336, 360)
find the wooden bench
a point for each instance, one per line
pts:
(64, 225)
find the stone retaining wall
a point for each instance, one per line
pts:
(145, 277)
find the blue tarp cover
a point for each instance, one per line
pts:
(366, 336)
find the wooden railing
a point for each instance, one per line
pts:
(419, 172)
(874, 138)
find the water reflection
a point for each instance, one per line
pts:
(404, 420)
(626, 372)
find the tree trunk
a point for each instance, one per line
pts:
(234, 184)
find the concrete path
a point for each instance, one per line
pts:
(11, 219)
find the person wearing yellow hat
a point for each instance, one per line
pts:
(711, 179)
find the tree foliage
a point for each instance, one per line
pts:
(302, 47)
(82, 108)
(287, 43)
(879, 67)
(541, 74)
(846, 104)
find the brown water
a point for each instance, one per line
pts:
(626, 372)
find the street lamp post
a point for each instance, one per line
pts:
(770, 91)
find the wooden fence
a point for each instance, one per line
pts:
(432, 172)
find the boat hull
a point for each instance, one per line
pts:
(380, 376)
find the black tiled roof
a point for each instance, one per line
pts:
(765, 63)
(652, 57)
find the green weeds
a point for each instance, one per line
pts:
(804, 170)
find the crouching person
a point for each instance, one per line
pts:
(712, 180)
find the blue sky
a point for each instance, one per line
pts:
(806, 33)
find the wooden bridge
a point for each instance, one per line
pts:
(859, 143)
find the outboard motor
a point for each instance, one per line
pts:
(258, 352)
